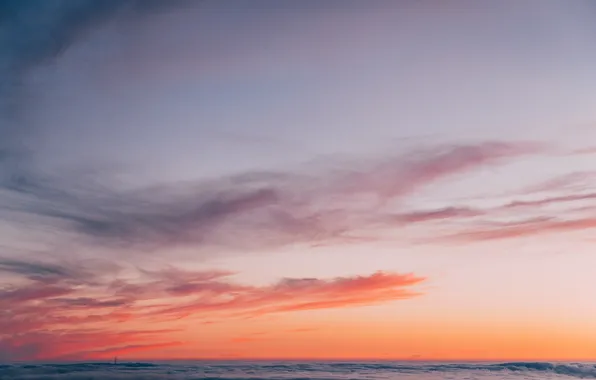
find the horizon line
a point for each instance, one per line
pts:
(248, 359)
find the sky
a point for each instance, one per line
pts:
(297, 180)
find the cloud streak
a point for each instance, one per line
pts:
(552, 200)
(524, 218)
(534, 227)
(260, 209)
(46, 314)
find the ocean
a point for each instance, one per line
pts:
(239, 370)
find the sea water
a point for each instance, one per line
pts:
(294, 370)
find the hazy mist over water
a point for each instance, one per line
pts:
(286, 370)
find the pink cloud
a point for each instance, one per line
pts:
(437, 215)
(302, 294)
(402, 175)
(534, 227)
(551, 200)
(98, 316)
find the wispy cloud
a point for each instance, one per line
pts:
(446, 213)
(560, 205)
(315, 206)
(551, 200)
(532, 227)
(303, 294)
(50, 312)
(573, 180)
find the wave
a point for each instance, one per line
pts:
(285, 370)
(581, 370)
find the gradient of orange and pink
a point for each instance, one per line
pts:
(299, 179)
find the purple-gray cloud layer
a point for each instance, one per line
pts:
(259, 209)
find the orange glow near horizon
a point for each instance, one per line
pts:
(382, 340)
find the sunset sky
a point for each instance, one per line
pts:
(297, 179)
